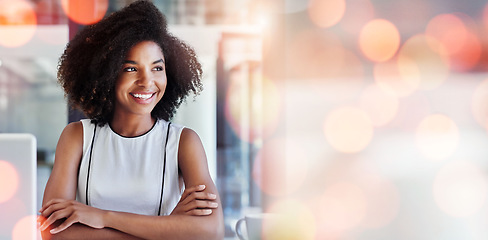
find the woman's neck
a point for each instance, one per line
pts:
(132, 126)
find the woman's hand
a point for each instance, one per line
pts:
(196, 202)
(73, 212)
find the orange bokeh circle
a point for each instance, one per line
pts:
(419, 62)
(326, 13)
(449, 30)
(18, 23)
(85, 12)
(470, 55)
(456, 40)
(25, 229)
(379, 40)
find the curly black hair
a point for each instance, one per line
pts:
(93, 59)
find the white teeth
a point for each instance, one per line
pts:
(142, 96)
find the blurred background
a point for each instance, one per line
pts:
(352, 119)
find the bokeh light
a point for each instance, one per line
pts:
(342, 207)
(432, 66)
(326, 13)
(9, 181)
(317, 54)
(295, 221)
(460, 188)
(380, 106)
(437, 137)
(276, 170)
(18, 23)
(358, 13)
(469, 57)
(379, 40)
(348, 129)
(455, 40)
(390, 79)
(381, 195)
(25, 229)
(268, 110)
(85, 12)
(256, 116)
(10, 211)
(479, 104)
(450, 32)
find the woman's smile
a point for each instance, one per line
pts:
(143, 98)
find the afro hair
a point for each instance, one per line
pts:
(89, 67)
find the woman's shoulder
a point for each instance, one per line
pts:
(184, 135)
(70, 142)
(78, 128)
(73, 128)
(189, 138)
(72, 134)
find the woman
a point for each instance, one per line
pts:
(127, 173)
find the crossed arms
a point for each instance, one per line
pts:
(198, 215)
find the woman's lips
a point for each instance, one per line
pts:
(143, 98)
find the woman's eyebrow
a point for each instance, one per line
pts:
(159, 61)
(134, 62)
(130, 61)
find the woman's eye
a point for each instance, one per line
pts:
(129, 69)
(158, 68)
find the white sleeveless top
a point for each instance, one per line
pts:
(126, 174)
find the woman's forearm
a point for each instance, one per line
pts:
(79, 231)
(168, 227)
(126, 226)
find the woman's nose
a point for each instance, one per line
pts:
(145, 78)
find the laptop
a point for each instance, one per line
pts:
(18, 215)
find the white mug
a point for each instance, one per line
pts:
(254, 225)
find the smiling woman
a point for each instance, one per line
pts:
(93, 61)
(127, 172)
(142, 81)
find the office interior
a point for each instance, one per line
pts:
(351, 119)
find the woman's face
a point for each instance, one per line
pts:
(141, 81)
